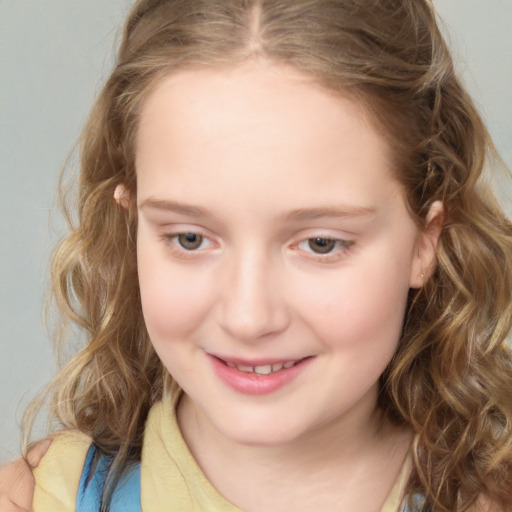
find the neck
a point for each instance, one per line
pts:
(335, 461)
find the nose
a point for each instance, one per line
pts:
(253, 305)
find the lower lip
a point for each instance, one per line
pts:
(255, 384)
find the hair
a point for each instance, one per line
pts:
(451, 376)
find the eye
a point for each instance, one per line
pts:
(324, 248)
(321, 245)
(190, 241)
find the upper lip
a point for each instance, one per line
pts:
(255, 362)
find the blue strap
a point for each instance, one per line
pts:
(126, 497)
(418, 501)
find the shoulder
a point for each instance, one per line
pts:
(17, 481)
(58, 474)
(64, 445)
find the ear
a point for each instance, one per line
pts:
(122, 196)
(424, 262)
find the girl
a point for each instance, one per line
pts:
(296, 285)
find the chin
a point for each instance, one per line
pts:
(259, 433)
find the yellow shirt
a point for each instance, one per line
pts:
(171, 480)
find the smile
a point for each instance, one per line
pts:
(265, 369)
(258, 377)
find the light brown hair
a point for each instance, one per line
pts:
(451, 377)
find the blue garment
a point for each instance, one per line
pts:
(126, 497)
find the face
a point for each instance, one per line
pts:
(275, 250)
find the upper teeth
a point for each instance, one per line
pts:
(265, 369)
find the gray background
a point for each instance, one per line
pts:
(54, 55)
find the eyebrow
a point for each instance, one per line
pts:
(332, 212)
(299, 214)
(174, 206)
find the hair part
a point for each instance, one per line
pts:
(450, 378)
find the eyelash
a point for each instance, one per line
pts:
(339, 249)
(339, 246)
(172, 240)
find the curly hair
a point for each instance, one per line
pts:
(451, 376)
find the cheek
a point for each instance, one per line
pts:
(362, 306)
(174, 300)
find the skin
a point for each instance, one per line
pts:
(16, 487)
(255, 163)
(17, 481)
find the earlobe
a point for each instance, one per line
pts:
(122, 196)
(424, 262)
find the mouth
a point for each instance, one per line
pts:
(267, 368)
(258, 377)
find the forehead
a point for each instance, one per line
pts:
(210, 96)
(257, 125)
